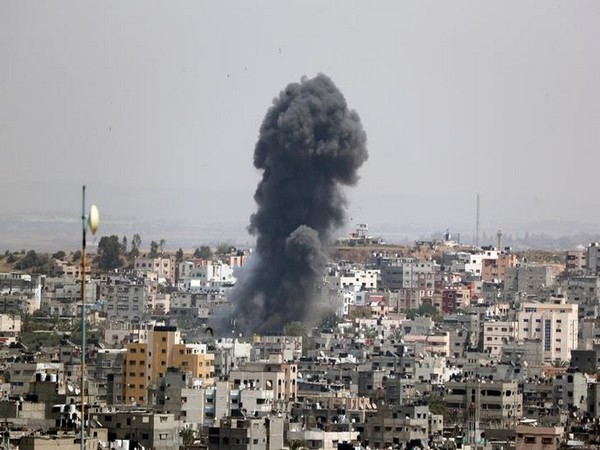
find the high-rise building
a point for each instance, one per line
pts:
(147, 361)
(554, 324)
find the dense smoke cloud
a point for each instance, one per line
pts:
(310, 144)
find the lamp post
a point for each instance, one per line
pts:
(90, 221)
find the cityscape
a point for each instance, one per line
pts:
(299, 226)
(432, 345)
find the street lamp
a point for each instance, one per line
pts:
(91, 220)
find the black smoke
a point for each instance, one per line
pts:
(310, 144)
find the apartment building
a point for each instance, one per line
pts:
(455, 298)
(554, 324)
(276, 375)
(157, 269)
(494, 269)
(489, 402)
(143, 429)
(538, 438)
(429, 344)
(409, 273)
(593, 258)
(209, 276)
(125, 300)
(496, 334)
(529, 278)
(264, 433)
(576, 260)
(146, 362)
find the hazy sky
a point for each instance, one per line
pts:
(156, 106)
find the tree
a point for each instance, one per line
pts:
(296, 444)
(424, 310)
(437, 405)
(204, 252)
(136, 243)
(179, 255)
(223, 248)
(28, 261)
(187, 437)
(124, 244)
(153, 249)
(59, 255)
(329, 322)
(161, 245)
(109, 253)
(361, 312)
(294, 329)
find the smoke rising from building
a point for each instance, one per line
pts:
(310, 144)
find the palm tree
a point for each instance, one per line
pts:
(187, 437)
(296, 444)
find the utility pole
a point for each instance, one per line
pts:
(477, 224)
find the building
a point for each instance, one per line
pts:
(554, 324)
(494, 269)
(529, 278)
(125, 300)
(276, 375)
(436, 344)
(576, 260)
(455, 298)
(489, 402)
(264, 433)
(397, 427)
(538, 438)
(146, 362)
(208, 277)
(497, 334)
(593, 258)
(409, 273)
(158, 269)
(141, 428)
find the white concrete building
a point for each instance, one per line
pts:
(496, 334)
(213, 276)
(555, 324)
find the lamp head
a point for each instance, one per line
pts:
(93, 219)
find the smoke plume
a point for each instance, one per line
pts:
(310, 144)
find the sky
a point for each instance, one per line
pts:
(156, 106)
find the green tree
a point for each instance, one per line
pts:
(437, 405)
(425, 310)
(204, 252)
(124, 244)
(109, 253)
(187, 437)
(294, 329)
(329, 322)
(153, 249)
(161, 245)
(59, 255)
(179, 255)
(223, 248)
(28, 261)
(136, 243)
(296, 444)
(76, 255)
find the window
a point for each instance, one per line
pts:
(530, 439)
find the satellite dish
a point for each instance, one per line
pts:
(94, 219)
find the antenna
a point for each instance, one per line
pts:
(499, 236)
(477, 224)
